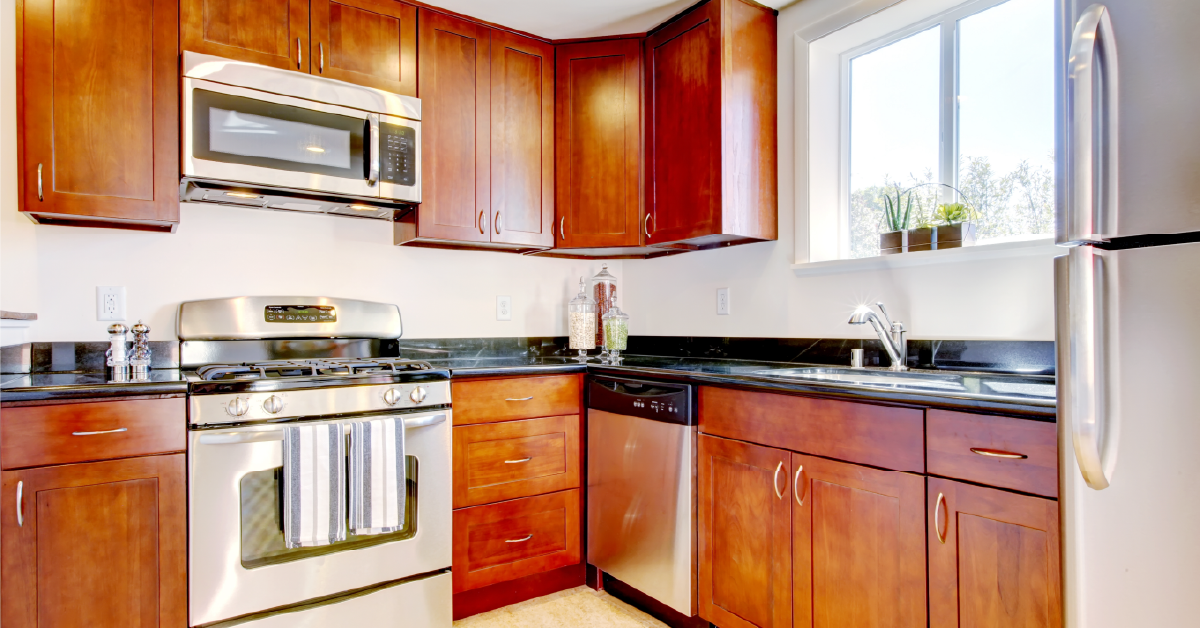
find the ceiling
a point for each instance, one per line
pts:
(568, 19)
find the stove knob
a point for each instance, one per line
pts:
(417, 395)
(237, 407)
(273, 405)
(391, 396)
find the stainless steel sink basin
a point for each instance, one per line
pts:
(873, 378)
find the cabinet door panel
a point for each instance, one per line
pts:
(858, 546)
(368, 42)
(522, 140)
(599, 144)
(454, 87)
(267, 32)
(99, 112)
(99, 544)
(744, 534)
(1000, 562)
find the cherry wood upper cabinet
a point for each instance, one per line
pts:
(522, 140)
(858, 546)
(711, 145)
(98, 112)
(599, 93)
(266, 32)
(744, 531)
(96, 544)
(367, 42)
(993, 558)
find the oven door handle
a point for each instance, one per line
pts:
(268, 434)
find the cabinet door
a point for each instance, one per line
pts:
(266, 32)
(453, 85)
(683, 145)
(858, 544)
(368, 42)
(598, 121)
(99, 111)
(744, 530)
(993, 558)
(522, 140)
(97, 544)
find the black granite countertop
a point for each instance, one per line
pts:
(87, 385)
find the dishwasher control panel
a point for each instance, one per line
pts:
(669, 403)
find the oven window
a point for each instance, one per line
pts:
(262, 521)
(241, 130)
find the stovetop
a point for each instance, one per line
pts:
(280, 369)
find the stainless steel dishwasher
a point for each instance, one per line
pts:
(641, 487)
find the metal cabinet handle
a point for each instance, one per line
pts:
(521, 399)
(519, 540)
(647, 225)
(778, 492)
(998, 453)
(299, 54)
(517, 461)
(796, 486)
(937, 517)
(21, 504)
(40, 197)
(562, 227)
(119, 429)
(321, 62)
(498, 219)
(483, 222)
(1091, 191)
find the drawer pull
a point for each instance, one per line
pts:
(937, 518)
(517, 461)
(998, 453)
(519, 540)
(521, 399)
(119, 429)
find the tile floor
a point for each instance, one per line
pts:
(580, 607)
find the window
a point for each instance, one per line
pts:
(955, 108)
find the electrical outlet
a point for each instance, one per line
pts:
(723, 301)
(110, 303)
(504, 308)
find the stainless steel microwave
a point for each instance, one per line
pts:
(280, 139)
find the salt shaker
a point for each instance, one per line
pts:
(118, 359)
(141, 352)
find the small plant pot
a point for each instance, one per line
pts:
(956, 235)
(891, 243)
(920, 239)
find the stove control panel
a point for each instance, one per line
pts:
(260, 406)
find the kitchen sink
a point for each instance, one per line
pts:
(873, 378)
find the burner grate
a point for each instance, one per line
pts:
(308, 368)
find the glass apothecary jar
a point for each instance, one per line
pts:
(604, 290)
(616, 333)
(581, 323)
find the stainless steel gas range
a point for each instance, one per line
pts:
(258, 366)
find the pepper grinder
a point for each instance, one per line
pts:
(141, 352)
(118, 361)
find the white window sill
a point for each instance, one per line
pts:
(1024, 248)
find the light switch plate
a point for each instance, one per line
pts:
(110, 303)
(723, 301)
(504, 308)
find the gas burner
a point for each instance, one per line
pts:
(308, 368)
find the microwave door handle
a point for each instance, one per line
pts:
(1092, 127)
(372, 145)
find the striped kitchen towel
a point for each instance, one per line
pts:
(314, 479)
(377, 476)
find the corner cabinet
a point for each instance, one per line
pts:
(98, 113)
(487, 139)
(711, 141)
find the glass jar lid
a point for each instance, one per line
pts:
(582, 302)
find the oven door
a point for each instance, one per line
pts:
(248, 136)
(238, 563)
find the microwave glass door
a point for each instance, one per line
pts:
(237, 129)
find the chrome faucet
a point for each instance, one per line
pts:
(892, 337)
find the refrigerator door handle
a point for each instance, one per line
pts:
(1087, 363)
(1091, 212)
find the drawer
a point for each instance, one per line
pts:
(491, 400)
(879, 436)
(513, 539)
(498, 461)
(34, 436)
(1018, 454)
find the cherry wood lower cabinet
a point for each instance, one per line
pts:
(98, 544)
(993, 558)
(858, 546)
(498, 461)
(744, 531)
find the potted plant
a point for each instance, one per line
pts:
(896, 212)
(957, 227)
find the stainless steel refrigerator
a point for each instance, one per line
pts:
(1128, 306)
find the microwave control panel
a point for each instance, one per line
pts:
(397, 154)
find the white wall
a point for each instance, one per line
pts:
(1007, 298)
